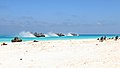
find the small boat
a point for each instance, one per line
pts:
(60, 34)
(39, 34)
(16, 39)
(73, 34)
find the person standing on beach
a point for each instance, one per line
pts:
(116, 38)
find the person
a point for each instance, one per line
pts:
(116, 38)
(104, 38)
(101, 39)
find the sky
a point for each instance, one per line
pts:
(79, 16)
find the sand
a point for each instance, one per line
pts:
(87, 53)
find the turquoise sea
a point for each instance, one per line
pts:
(82, 36)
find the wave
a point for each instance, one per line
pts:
(55, 35)
(69, 34)
(50, 34)
(46, 35)
(25, 34)
(29, 34)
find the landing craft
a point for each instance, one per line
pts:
(60, 34)
(38, 34)
(74, 34)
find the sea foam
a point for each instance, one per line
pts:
(49, 34)
(52, 34)
(25, 34)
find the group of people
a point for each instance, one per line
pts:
(103, 38)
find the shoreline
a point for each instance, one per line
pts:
(83, 41)
(52, 40)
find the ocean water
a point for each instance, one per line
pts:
(82, 36)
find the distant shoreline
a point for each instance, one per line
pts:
(82, 36)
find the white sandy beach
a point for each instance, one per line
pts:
(88, 53)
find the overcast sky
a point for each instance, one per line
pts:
(79, 16)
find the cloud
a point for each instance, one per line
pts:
(27, 17)
(21, 23)
(99, 23)
(28, 23)
(106, 23)
(74, 16)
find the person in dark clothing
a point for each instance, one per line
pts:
(116, 38)
(101, 39)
